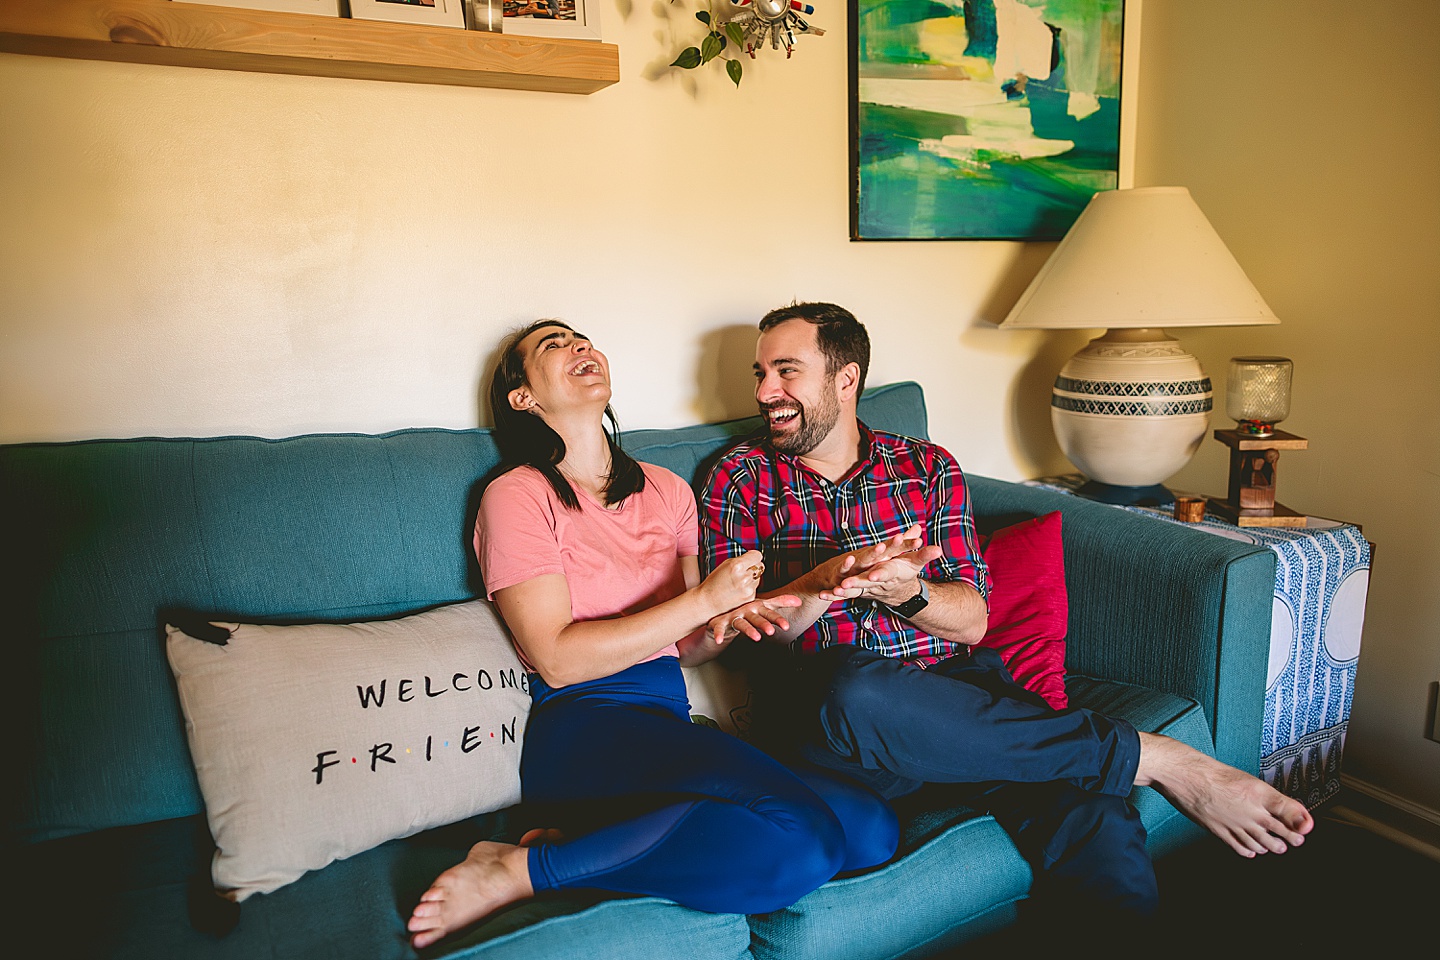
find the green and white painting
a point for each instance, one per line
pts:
(982, 119)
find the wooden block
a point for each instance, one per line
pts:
(1279, 516)
(1279, 440)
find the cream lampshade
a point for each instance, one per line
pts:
(1132, 406)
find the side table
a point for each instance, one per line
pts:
(1322, 578)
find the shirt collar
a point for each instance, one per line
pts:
(865, 461)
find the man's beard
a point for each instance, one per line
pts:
(815, 426)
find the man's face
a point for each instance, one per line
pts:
(797, 397)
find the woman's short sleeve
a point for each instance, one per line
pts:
(515, 537)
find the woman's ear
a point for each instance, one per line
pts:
(520, 399)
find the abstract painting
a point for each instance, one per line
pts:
(982, 119)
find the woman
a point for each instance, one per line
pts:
(591, 559)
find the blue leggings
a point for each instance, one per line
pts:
(651, 803)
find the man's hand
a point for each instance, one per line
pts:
(886, 572)
(826, 580)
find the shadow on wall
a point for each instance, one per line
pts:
(489, 357)
(726, 389)
(1032, 432)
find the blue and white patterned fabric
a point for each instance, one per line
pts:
(1322, 577)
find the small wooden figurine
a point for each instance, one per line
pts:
(1254, 463)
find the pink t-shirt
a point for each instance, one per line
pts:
(617, 561)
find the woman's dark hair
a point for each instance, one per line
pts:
(525, 439)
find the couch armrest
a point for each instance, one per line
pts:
(1159, 604)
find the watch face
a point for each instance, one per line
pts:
(915, 604)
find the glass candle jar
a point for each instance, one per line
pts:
(1257, 395)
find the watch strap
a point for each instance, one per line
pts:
(915, 604)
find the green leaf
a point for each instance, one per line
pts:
(735, 33)
(704, 17)
(733, 68)
(689, 59)
(709, 48)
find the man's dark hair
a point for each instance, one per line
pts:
(841, 338)
(525, 439)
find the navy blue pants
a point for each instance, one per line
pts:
(1057, 781)
(651, 803)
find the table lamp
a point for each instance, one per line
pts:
(1132, 406)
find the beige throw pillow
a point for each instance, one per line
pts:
(316, 742)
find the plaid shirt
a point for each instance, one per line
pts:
(758, 499)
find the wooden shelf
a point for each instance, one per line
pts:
(230, 38)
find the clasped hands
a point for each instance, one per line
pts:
(884, 571)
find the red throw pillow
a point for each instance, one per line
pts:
(1028, 604)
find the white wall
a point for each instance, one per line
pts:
(195, 252)
(198, 252)
(1309, 133)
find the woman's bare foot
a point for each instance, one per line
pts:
(491, 876)
(542, 835)
(1251, 816)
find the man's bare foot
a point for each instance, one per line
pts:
(1247, 813)
(491, 876)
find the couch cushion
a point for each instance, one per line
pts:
(1028, 604)
(338, 527)
(316, 742)
(959, 876)
(152, 907)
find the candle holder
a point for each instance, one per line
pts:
(1257, 395)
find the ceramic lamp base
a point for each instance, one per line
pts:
(1131, 408)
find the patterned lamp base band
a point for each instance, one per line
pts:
(1134, 388)
(1133, 398)
(1132, 408)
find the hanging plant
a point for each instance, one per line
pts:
(746, 25)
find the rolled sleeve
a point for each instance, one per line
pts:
(950, 527)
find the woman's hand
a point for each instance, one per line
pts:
(756, 619)
(734, 582)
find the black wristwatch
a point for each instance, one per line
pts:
(915, 604)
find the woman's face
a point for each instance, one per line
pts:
(562, 371)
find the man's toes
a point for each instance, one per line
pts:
(1272, 843)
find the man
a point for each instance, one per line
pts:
(873, 533)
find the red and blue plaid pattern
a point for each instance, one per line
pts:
(758, 499)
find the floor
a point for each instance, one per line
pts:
(1347, 888)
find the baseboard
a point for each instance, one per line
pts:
(1387, 815)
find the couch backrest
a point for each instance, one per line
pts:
(102, 536)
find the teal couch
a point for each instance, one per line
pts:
(105, 826)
